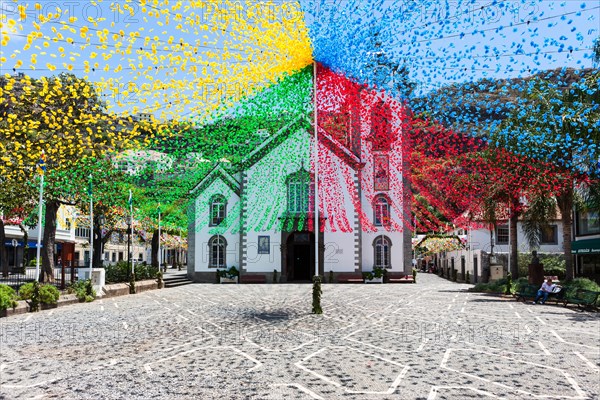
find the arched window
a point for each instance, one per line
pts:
(298, 192)
(382, 246)
(218, 248)
(381, 208)
(218, 210)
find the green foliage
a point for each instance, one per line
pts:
(541, 210)
(120, 272)
(378, 272)
(554, 264)
(35, 294)
(230, 273)
(316, 295)
(26, 291)
(367, 276)
(414, 274)
(571, 287)
(519, 283)
(83, 290)
(498, 286)
(8, 297)
(49, 294)
(117, 273)
(145, 271)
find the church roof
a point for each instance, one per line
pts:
(218, 172)
(301, 122)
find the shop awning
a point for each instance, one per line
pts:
(587, 246)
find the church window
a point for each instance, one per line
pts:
(381, 172)
(381, 208)
(218, 210)
(382, 245)
(298, 192)
(217, 247)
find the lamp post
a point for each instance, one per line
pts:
(129, 245)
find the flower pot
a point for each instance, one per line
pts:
(374, 280)
(228, 280)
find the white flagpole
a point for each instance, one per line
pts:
(91, 230)
(131, 229)
(39, 239)
(316, 156)
(159, 255)
(509, 242)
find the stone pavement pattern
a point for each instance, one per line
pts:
(430, 340)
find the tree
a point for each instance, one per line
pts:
(561, 127)
(64, 117)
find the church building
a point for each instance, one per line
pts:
(259, 214)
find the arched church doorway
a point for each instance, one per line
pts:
(300, 256)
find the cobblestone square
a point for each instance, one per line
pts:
(430, 340)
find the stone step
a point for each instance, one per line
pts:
(177, 283)
(173, 280)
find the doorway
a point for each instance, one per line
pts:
(300, 256)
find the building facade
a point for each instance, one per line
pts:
(586, 246)
(259, 215)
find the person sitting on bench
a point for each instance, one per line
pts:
(547, 288)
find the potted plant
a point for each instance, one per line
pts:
(230, 275)
(375, 276)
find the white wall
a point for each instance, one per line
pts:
(469, 262)
(480, 239)
(265, 190)
(263, 262)
(394, 233)
(339, 252)
(229, 229)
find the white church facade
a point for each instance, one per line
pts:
(258, 215)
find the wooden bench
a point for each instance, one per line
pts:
(529, 291)
(583, 298)
(396, 277)
(253, 278)
(526, 291)
(351, 277)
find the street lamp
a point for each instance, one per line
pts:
(129, 245)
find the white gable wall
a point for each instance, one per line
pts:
(229, 229)
(265, 199)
